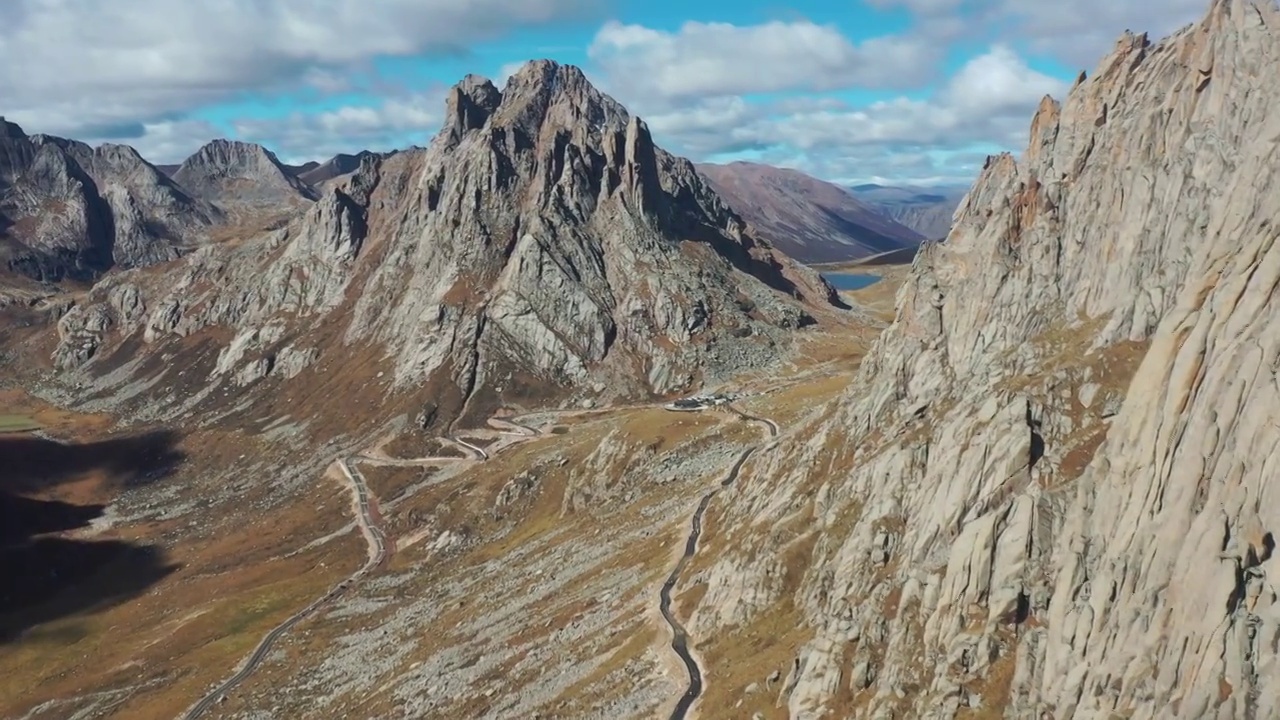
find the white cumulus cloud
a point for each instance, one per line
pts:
(391, 124)
(713, 59)
(111, 66)
(988, 102)
(1077, 33)
(790, 91)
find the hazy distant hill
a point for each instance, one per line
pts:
(928, 211)
(809, 219)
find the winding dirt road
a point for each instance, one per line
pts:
(476, 451)
(365, 506)
(380, 547)
(679, 636)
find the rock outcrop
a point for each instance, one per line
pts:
(1050, 493)
(810, 220)
(243, 177)
(71, 211)
(316, 174)
(542, 244)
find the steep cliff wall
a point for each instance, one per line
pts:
(1050, 492)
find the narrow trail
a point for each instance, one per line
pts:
(475, 451)
(679, 636)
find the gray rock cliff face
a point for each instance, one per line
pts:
(69, 210)
(542, 241)
(1052, 490)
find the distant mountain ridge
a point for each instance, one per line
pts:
(315, 173)
(241, 175)
(71, 211)
(809, 219)
(926, 210)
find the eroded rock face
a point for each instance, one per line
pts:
(540, 241)
(1050, 492)
(71, 211)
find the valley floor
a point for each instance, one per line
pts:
(512, 570)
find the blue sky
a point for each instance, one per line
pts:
(902, 91)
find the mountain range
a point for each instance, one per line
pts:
(69, 211)
(530, 422)
(541, 241)
(541, 252)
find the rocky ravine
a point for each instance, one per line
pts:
(541, 245)
(1050, 492)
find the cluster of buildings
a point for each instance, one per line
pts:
(702, 401)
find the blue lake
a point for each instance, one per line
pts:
(850, 281)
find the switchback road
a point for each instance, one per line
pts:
(369, 521)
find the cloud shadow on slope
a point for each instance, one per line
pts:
(45, 575)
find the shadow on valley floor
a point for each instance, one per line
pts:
(44, 576)
(32, 464)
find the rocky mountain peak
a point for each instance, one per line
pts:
(74, 211)
(123, 155)
(1043, 125)
(241, 175)
(10, 130)
(480, 89)
(469, 105)
(544, 94)
(580, 148)
(542, 245)
(227, 154)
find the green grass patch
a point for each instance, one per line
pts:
(17, 423)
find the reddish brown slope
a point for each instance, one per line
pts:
(811, 220)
